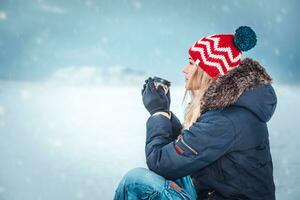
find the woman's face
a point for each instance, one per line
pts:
(188, 71)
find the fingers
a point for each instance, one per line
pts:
(160, 90)
(151, 85)
(144, 86)
(143, 89)
(169, 97)
(147, 90)
(146, 81)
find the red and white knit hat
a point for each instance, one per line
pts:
(217, 54)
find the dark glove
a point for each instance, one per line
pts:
(144, 86)
(168, 93)
(155, 99)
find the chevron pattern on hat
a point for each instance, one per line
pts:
(216, 54)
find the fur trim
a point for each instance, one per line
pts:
(225, 90)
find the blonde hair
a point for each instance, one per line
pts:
(199, 82)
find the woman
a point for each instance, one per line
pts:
(221, 151)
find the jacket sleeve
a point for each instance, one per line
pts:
(204, 142)
(176, 125)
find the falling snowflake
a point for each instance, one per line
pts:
(3, 15)
(137, 5)
(2, 111)
(25, 94)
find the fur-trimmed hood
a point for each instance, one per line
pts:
(247, 86)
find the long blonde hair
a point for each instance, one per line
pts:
(199, 82)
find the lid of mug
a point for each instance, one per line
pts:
(161, 80)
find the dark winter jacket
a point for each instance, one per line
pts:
(226, 151)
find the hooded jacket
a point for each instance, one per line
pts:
(226, 151)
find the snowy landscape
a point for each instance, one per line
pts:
(68, 141)
(72, 121)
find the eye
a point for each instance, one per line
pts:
(191, 63)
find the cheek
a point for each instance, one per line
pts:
(190, 74)
(191, 70)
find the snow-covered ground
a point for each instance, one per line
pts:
(68, 142)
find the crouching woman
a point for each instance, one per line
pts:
(221, 150)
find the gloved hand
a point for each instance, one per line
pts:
(144, 86)
(168, 93)
(154, 99)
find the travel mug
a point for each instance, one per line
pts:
(164, 83)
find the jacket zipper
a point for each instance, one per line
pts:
(183, 142)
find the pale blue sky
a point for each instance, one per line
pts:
(38, 37)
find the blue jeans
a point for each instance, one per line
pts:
(142, 183)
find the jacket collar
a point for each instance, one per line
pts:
(226, 90)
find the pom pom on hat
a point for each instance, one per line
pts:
(244, 38)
